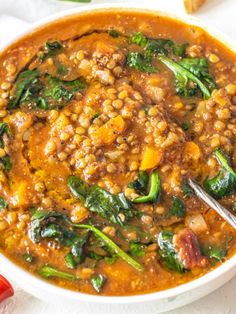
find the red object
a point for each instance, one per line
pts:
(6, 289)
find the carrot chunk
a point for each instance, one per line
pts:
(151, 158)
(108, 132)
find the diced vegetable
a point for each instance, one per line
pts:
(196, 223)
(150, 159)
(167, 252)
(224, 183)
(47, 271)
(101, 202)
(108, 132)
(177, 208)
(191, 152)
(153, 192)
(98, 282)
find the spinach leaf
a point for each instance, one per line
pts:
(28, 258)
(186, 189)
(214, 252)
(50, 49)
(154, 190)
(234, 207)
(97, 200)
(177, 209)
(224, 183)
(136, 249)
(140, 62)
(42, 91)
(183, 76)
(98, 282)
(47, 271)
(4, 129)
(23, 82)
(167, 252)
(141, 183)
(184, 126)
(55, 225)
(159, 46)
(111, 245)
(199, 67)
(3, 203)
(5, 163)
(66, 237)
(113, 33)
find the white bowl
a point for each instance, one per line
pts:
(163, 300)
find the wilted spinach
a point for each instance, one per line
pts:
(140, 62)
(99, 201)
(98, 282)
(177, 208)
(50, 49)
(224, 183)
(167, 252)
(153, 189)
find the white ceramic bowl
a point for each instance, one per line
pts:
(163, 300)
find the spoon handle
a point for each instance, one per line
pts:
(221, 210)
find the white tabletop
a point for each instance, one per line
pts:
(13, 17)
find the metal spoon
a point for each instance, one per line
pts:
(221, 210)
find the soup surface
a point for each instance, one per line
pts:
(104, 117)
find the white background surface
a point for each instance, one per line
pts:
(13, 17)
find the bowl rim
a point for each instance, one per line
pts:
(19, 274)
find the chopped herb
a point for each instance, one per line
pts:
(98, 282)
(47, 271)
(28, 258)
(177, 209)
(101, 202)
(167, 252)
(153, 190)
(3, 203)
(224, 183)
(140, 62)
(4, 129)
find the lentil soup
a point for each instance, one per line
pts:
(104, 117)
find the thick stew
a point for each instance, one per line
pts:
(103, 118)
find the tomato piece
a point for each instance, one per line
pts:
(6, 289)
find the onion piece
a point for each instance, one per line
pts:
(196, 223)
